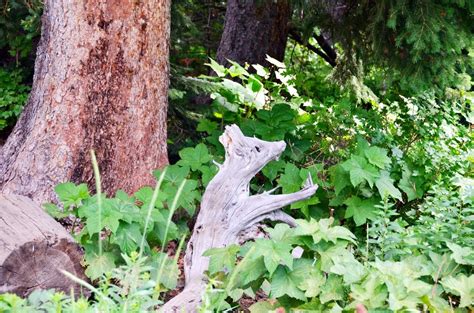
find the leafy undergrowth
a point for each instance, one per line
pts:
(390, 227)
(13, 96)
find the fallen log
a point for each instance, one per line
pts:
(34, 248)
(228, 209)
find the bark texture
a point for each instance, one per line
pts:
(101, 82)
(34, 248)
(253, 29)
(228, 210)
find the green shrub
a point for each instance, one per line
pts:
(390, 226)
(326, 275)
(13, 96)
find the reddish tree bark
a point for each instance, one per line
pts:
(254, 29)
(101, 82)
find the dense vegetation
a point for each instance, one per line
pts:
(390, 227)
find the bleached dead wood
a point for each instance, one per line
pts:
(228, 209)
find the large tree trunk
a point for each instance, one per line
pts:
(254, 29)
(101, 82)
(34, 248)
(228, 210)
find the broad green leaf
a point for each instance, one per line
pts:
(255, 84)
(281, 232)
(274, 253)
(441, 265)
(194, 157)
(275, 62)
(466, 188)
(220, 70)
(333, 289)
(280, 115)
(123, 196)
(110, 220)
(290, 180)
(323, 230)
(362, 144)
(313, 306)
(206, 125)
(236, 69)
(71, 195)
(377, 156)
(462, 255)
(160, 219)
(128, 237)
(208, 172)
(109, 217)
(263, 307)
(360, 171)
(304, 205)
(462, 286)
(174, 173)
(250, 269)
(145, 195)
(340, 198)
(97, 265)
(222, 259)
(335, 233)
(372, 292)
(297, 149)
(340, 178)
(401, 278)
(128, 210)
(348, 267)
(411, 185)
(236, 293)
(272, 169)
(275, 124)
(361, 210)
(311, 279)
(189, 196)
(285, 283)
(235, 92)
(260, 70)
(386, 188)
(328, 255)
(222, 101)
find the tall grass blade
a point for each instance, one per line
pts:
(98, 188)
(150, 207)
(172, 209)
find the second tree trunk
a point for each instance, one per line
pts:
(254, 29)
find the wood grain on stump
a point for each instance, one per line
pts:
(34, 248)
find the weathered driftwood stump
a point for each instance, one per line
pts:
(33, 248)
(227, 209)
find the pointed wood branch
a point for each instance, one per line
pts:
(274, 216)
